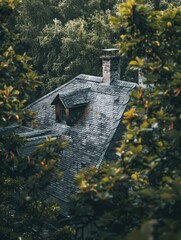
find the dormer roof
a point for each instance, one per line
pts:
(76, 98)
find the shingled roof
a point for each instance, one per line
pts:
(90, 137)
(74, 98)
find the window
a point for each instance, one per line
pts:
(60, 112)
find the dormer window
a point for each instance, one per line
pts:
(70, 106)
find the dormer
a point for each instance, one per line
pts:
(70, 106)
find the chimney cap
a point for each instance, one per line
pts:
(110, 51)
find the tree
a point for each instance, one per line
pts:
(74, 48)
(71, 9)
(45, 36)
(144, 187)
(25, 213)
(31, 17)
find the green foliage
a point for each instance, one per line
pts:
(25, 212)
(33, 15)
(64, 233)
(16, 74)
(73, 48)
(63, 37)
(72, 9)
(36, 21)
(144, 187)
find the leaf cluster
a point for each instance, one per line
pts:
(150, 149)
(25, 209)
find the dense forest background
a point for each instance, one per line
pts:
(66, 38)
(136, 198)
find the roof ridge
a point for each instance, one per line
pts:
(74, 91)
(90, 78)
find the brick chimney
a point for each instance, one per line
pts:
(110, 65)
